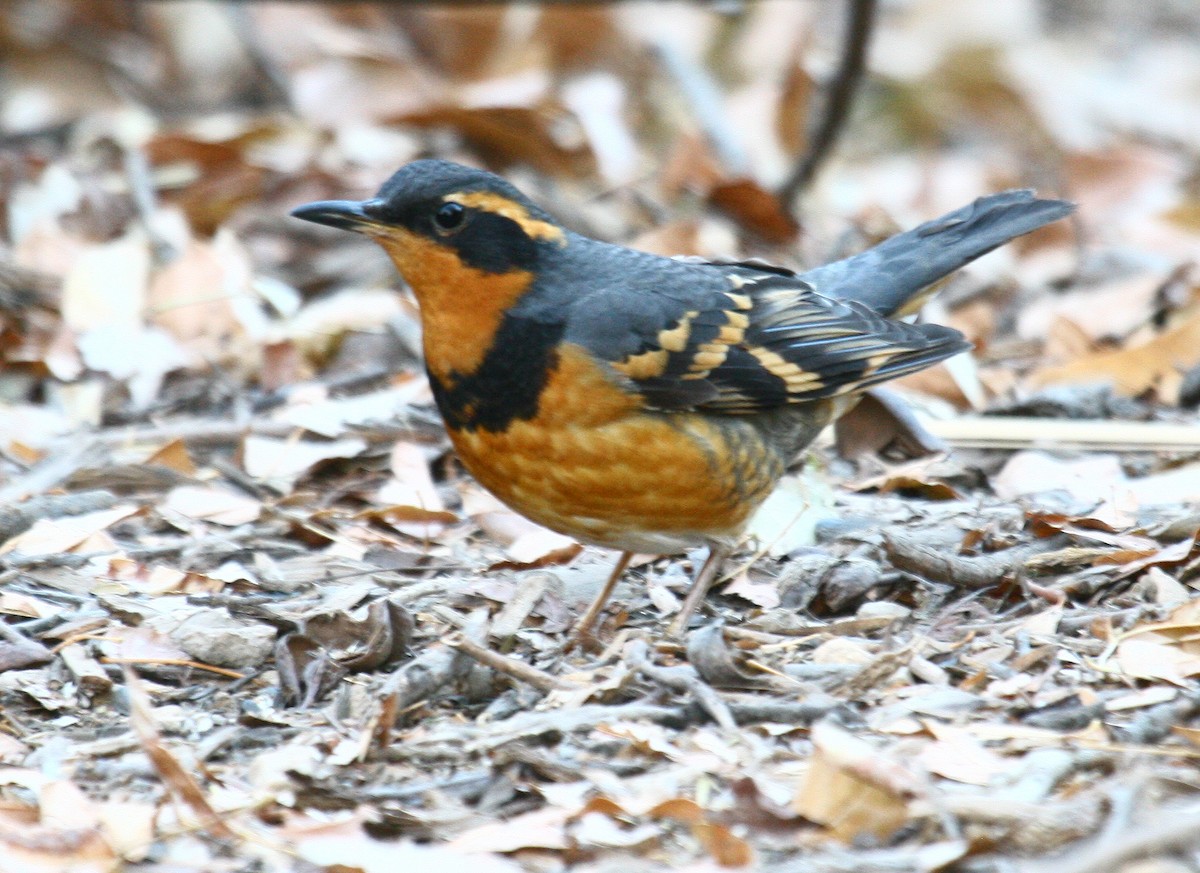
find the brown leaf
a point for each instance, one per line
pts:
(678, 809)
(716, 663)
(1136, 369)
(505, 135)
(852, 788)
(381, 633)
(912, 486)
(407, 516)
(178, 780)
(536, 550)
(882, 422)
(192, 297)
(18, 652)
(755, 209)
(173, 456)
(306, 671)
(720, 843)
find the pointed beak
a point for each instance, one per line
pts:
(343, 214)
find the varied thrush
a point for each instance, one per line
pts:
(639, 402)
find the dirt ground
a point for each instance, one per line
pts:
(255, 617)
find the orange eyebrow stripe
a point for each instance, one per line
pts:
(497, 204)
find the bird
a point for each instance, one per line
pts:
(638, 402)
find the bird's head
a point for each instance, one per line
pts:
(467, 242)
(430, 208)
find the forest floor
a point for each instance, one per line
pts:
(255, 617)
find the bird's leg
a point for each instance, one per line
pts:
(583, 627)
(704, 579)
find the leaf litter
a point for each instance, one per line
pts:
(253, 616)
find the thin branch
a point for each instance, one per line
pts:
(842, 89)
(510, 667)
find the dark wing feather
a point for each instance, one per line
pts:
(767, 341)
(803, 346)
(741, 337)
(666, 339)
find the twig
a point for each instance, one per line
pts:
(530, 590)
(483, 738)
(37, 626)
(842, 87)
(52, 470)
(425, 676)
(20, 517)
(1027, 827)
(89, 676)
(175, 662)
(1012, 432)
(1039, 773)
(937, 565)
(511, 667)
(874, 673)
(19, 651)
(1164, 830)
(22, 288)
(416, 424)
(547, 766)
(1154, 724)
(811, 709)
(273, 81)
(177, 779)
(145, 202)
(637, 656)
(67, 560)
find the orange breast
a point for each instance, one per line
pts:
(593, 464)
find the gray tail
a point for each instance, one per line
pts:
(893, 273)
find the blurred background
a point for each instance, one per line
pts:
(151, 151)
(220, 463)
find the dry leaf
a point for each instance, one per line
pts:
(106, 286)
(853, 789)
(963, 758)
(1156, 659)
(1135, 369)
(174, 456)
(788, 518)
(177, 779)
(213, 503)
(412, 486)
(763, 594)
(720, 843)
(61, 833)
(541, 829)
(192, 296)
(281, 462)
(1089, 480)
(755, 209)
(50, 536)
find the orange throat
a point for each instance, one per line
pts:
(461, 307)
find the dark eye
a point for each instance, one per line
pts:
(449, 217)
